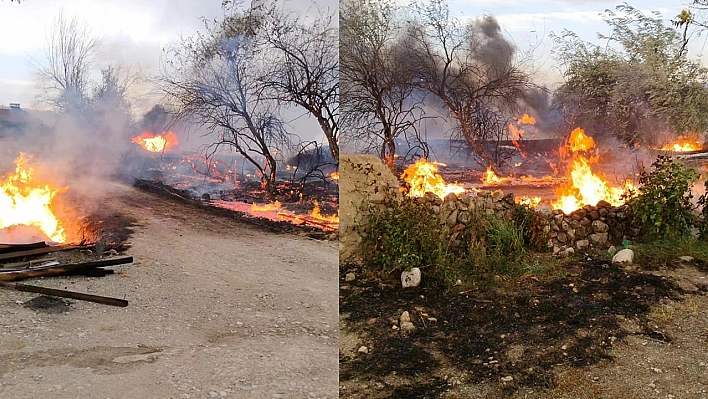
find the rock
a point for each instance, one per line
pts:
(452, 197)
(363, 349)
(464, 217)
(350, 277)
(581, 232)
(405, 317)
(624, 256)
(612, 250)
(598, 238)
(410, 278)
(594, 215)
(562, 238)
(407, 326)
(599, 227)
(567, 252)
(507, 379)
(581, 244)
(686, 258)
(544, 211)
(452, 219)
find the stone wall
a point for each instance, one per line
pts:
(362, 177)
(366, 178)
(591, 227)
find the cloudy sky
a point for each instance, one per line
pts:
(132, 32)
(530, 22)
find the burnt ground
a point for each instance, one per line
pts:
(157, 187)
(593, 330)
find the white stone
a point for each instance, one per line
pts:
(407, 326)
(686, 258)
(410, 278)
(612, 250)
(350, 277)
(624, 256)
(507, 379)
(405, 317)
(363, 349)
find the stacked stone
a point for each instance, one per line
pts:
(456, 213)
(597, 226)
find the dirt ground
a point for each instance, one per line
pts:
(593, 330)
(217, 309)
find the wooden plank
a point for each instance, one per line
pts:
(5, 248)
(15, 274)
(65, 294)
(41, 251)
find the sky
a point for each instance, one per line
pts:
(132, 32)
(530, 22)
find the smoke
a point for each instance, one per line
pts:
(489, 46)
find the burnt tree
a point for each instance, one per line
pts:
(214, 79)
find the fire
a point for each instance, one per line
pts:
(334, 175)
(490, 177)
(683, 144)
(585, 187)
(518, 132)
(273, 206)
(315, 213)
(527, 120)
(27, 201)
(156, 143)
(423, 177)
(531, 202)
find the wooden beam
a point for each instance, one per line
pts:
(41, 251)
(65, 294)
(15, 274)
(5, 248)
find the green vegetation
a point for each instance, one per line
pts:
(663, 207)
(662, 252)
(406, 235)
(637, 84)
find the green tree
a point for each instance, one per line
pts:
(638, 85)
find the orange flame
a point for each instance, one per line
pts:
(423, 177)
(334, 175)
(527, 120)
(315, 213)
(490, 177)
(273, 206)
(531, 202)
(683, 144)
(26, 201)
(585, 187)
(156, 143)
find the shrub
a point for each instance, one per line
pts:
(663, 206)
(406, 235)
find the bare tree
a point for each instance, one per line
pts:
(69, 53)
(304, 66)
(470, 68)
(215, 79)
(379, 96)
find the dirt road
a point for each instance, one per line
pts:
(217, 309)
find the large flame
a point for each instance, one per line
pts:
(273, 206)
(683, 144)
(423, 177)
(156, 143)
(585, 187)
(27, 201)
